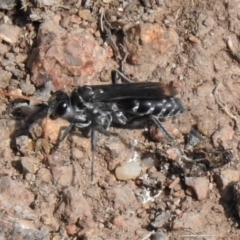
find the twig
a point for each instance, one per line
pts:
(123, 61)
(222, 104)
(16, 96)
(102, 12)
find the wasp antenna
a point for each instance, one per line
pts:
(93, 145)
(92, 165)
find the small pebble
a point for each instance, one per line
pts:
(30, 177)
(5, 77)
(44, 175)
(3, 48)
(71, 229)
(9, 33)
(24, 144)
(50, 222)
(128, 170)
(76, 153)
(10, 56)
(30, 164)
(20, 58)
(160, 220)
(85, 14)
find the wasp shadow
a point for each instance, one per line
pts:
(24, 115)
(229, 202)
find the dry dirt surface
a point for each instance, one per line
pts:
(144, 185)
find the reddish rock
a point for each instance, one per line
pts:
(17, 216)
(120, 222)
(225, 181)
(75, 208)
(122, 196)
(72, 229)
(62, 55)
(52, 129)
(151, 42)
(162, 39)
(224, 136)
(225, 177)
(199, 186)
(14, 192)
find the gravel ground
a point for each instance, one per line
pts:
(144, 186)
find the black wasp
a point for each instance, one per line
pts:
(131, 105)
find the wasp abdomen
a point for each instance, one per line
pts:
(162, 108)
(168, 107)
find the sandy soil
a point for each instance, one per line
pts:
(144, 186)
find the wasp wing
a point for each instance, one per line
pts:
(144, 90)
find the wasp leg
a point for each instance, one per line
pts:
(93, 146)
(162, 128)
(62, 137)
(167, 134)
(86, 132)
(115, 77)
(139, 122)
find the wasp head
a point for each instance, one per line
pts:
(59, 105)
